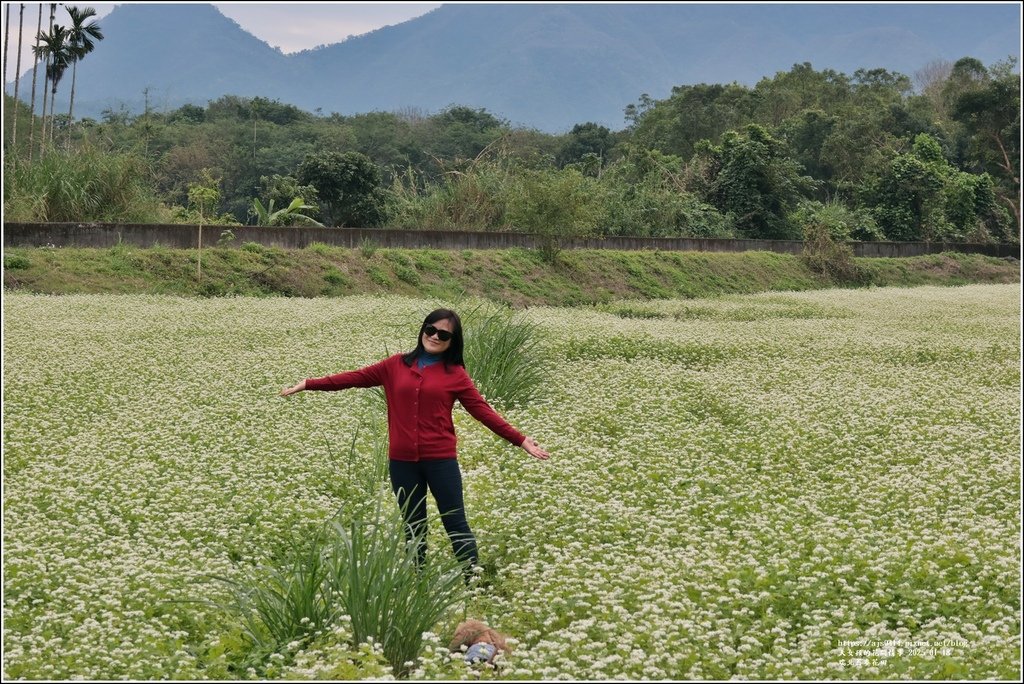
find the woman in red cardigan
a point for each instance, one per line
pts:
(421, 388)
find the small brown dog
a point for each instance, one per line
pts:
(472, 632)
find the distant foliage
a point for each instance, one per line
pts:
(861, 153)
(841, 222)
(470, 199)
(921, 196)
(752, 180)
(650, 194)
(290, 215)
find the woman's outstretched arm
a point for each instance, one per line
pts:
(478, 407)
(370, 376)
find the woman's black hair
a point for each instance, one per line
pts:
(452, 356)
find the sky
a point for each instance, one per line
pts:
(292, 26)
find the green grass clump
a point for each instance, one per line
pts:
(378, 276)
(503, 356)
(320, 248)
(375, 575)
(362, 571)
(359, 575)
(336, 277)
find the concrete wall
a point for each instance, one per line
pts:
(187, 237)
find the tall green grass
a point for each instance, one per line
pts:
(364, 564)
(375, 575)
(280, 605)
(468, 199)
(80, 185)
(503, 356)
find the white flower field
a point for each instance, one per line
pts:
(818, 485)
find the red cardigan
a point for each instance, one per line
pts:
(420, 405)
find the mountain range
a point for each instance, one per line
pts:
(544, 66)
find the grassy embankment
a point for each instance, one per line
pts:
(517, 277)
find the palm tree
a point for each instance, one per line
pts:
(81, 37)
(46, 72)
(58, 53)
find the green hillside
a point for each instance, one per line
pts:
(516, 277)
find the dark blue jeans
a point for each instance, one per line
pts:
(410, 481)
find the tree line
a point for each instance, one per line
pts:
(872, 156)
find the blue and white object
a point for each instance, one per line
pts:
(480, 653)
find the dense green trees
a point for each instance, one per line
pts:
(921, 196)
(986, 105)
(751, 179)
(689, 115)
(348, 185)
(587, 144)
(863, 156)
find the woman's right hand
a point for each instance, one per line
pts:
(293, 389)
(534, 449)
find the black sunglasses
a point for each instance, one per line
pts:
(442, 335)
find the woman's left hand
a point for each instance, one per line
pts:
(533, 448)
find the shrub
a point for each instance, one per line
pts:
(189, 216)
(824, 255)
(321, 248)
(15, 262)
(646, 195)
(335, 277)
(226, 238)
(841, 222)
(468, 199)
(367, 248)
(555, 206)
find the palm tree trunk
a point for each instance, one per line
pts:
(46, 91)
(71, 107)
(53, 115)
(42, 140)
(35, 66)
(17, 79)
(7, 33)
